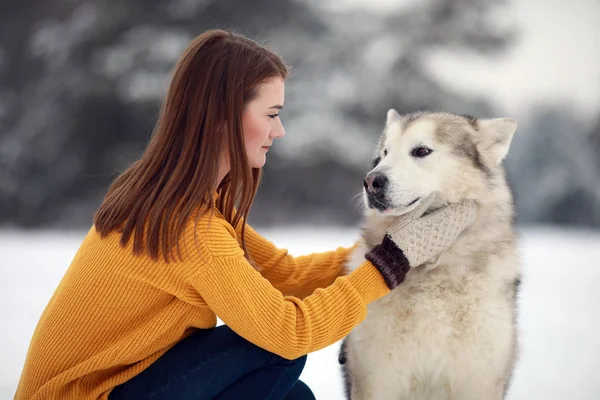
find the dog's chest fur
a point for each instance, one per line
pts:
(453, 314)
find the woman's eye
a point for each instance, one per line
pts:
(421, 152)
(273, 115)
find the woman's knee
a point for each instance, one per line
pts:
(295, 366)
(300, 391)
(300, 362)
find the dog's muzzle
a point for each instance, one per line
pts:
(375, 184)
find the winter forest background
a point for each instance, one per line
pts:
(81, 83)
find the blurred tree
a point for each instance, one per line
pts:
(81, 83)
(554, 169)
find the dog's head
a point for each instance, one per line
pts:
(453, 156)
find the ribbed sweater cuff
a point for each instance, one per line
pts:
(390, 261)
(368, 282)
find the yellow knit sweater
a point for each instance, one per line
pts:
(114, 313)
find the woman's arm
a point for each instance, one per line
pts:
(288, 326)
(295, 276)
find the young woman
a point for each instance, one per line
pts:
(134, 316)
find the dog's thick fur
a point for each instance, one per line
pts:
(449, 331)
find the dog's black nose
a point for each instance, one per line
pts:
(375, 183)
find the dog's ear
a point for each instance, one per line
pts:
(495, 137)
(392, 116)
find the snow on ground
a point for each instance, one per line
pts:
(560, 297)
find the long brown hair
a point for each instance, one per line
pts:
(217, 75)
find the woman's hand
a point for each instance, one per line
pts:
(414, 238)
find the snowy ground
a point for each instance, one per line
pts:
(560, 357)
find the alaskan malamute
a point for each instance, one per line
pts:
(449, 331)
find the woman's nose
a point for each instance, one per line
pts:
(279, 132)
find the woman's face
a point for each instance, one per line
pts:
(261, 123)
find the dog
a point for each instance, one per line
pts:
(449, 331)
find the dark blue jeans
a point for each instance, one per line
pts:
(217, 364)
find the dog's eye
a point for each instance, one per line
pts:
(376, 161)
(384, 152)
(421, 152)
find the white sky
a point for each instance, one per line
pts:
(556, 58)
